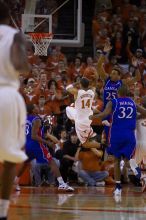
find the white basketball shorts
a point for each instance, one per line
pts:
(12, 125)
(83, 127)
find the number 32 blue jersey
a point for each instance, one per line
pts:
(124, 115)
(122, 132)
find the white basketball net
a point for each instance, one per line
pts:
(41, 43)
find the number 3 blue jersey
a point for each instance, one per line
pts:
(33, 148)
(28, 127)
(124, 115)
(110, 90)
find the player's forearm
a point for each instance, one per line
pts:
(101, 115)
(100, 68)
(71, 86)
(96, 111)
(39, 139)
(72, 89)
(52, 138)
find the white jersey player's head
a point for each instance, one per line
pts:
(84, 82)
(4, 13)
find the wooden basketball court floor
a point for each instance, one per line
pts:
(46, 203)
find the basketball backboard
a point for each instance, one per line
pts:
(64, 20)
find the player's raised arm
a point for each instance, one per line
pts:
(105, 113)
(72, 89)
(19, 55)
(100, 63)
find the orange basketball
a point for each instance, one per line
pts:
(90, 73)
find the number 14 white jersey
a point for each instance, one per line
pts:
(83, 104)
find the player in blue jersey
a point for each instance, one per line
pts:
(113, 81)
(122, 132)
(36, 147)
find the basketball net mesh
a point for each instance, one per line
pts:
(41, 43)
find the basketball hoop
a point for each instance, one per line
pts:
(41, 42)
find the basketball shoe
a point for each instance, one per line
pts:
(65, 187)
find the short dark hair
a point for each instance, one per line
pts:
(30, 108)
(4, 11)
(84, 82)
(118, 69)
(123, 90)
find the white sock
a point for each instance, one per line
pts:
(118, 182)
(60, 180)
(4, 205)
(16, 180)
(133, 166)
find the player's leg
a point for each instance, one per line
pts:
(19, 174)
(30, 154)
(12, 140)
(86, 135)
(140, 156)
(125, 171)
(42, 155)
(129, 153)
(114, 149)
(6, 187)
(71, 113)
(117, 176)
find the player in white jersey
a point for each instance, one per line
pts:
(81, 112)
(140, 153)
(13, 60)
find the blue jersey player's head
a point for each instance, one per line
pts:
(123, 91)
(32, 109)
(115, 73)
